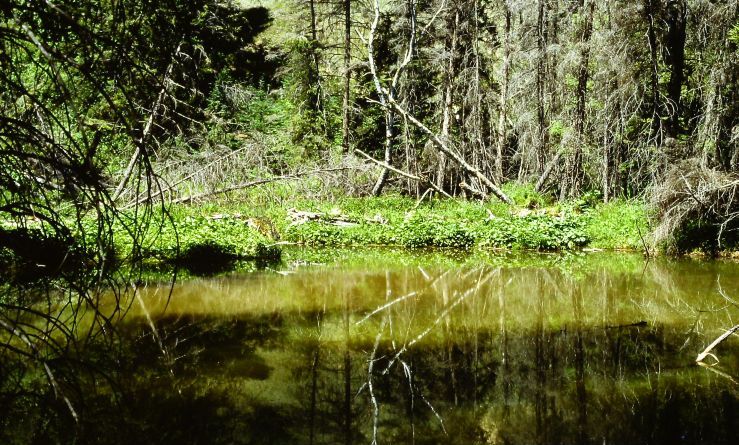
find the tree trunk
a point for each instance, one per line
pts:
(347, 374)
(503, 111)
(543, 141)
(382, 96)
(314, 77)
(677, 12)
(649, 13)
(388, 95)
(574, 173)
(608, 139)
(347, 76)
(446, 123)
(382, 179)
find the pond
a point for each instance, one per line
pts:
(385, 346)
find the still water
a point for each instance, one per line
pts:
(391, 347)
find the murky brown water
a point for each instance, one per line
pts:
(394, 347)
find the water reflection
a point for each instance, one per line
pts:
(595, 350)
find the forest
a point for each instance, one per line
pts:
(118, 105)
(187, 187)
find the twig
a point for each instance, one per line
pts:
(643, 242)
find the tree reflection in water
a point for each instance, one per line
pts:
(408, 353)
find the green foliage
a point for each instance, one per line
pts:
(524, 195)
(556, 131)
(618, 224)
(537, 232)
(733, 35)
(190, 237)
(396, 221)
(427, 230)
(316, 120)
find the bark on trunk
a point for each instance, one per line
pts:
(541, 149)
(503, 111)
(315, 72)
(347, 76)
(676, 35)
(649, 13)
(388, 95)
(446, 123)
(574, 173)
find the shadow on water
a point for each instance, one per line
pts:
(406, 351)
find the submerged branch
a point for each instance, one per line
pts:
(706, 352)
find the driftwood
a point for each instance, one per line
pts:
(706, 352)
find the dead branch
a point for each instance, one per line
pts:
(402, 173)
(547, 171)
(245, 185)
(692, 192)
(473, 191)
(442, 147)
(162, 191)
(706, 352)
(141, 143)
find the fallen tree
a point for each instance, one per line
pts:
(389, 103)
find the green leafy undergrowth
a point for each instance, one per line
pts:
(536, 224)
(619, 224)
(191, 238)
